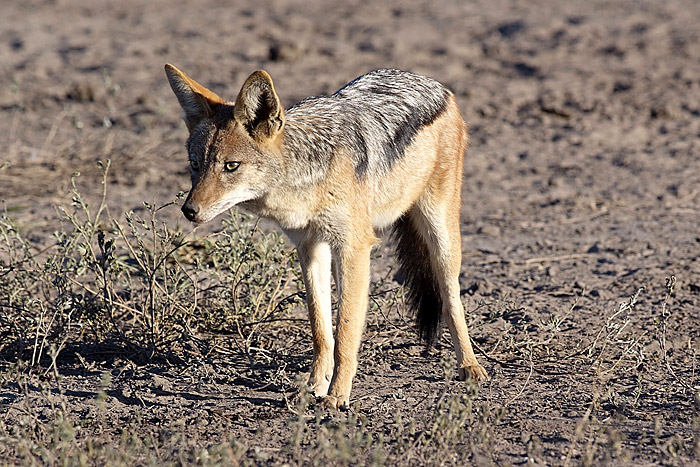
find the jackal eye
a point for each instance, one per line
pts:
(231, 166)
(194, 164)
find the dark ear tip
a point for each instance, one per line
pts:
(172, 70)
(260, 75)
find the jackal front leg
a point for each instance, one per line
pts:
(315, 259)
(353, 272)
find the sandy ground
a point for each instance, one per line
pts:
(581, 183)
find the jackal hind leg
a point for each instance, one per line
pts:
(439, 225)
(315, 259)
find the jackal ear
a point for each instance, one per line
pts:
(197, 101)
(258, 107)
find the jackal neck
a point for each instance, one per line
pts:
(308, 149)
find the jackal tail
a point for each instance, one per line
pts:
(420, 283)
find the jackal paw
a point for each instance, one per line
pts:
(335, 403)
(318, 386)
(475, 372)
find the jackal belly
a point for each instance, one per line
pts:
(398, 190)
(395, 195)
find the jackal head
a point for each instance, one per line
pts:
(234, 149)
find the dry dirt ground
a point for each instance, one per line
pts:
(580, 200)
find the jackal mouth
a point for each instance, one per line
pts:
(200, 214)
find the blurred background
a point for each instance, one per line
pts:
(581, 195)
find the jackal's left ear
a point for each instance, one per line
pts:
(258, 108)
(197, 101)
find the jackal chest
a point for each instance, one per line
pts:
(290, 214)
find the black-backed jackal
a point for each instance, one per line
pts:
(385, 151)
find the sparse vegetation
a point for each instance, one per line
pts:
(131, 297)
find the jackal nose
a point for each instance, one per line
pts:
(190, 210)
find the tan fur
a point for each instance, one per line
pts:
(333, 222)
